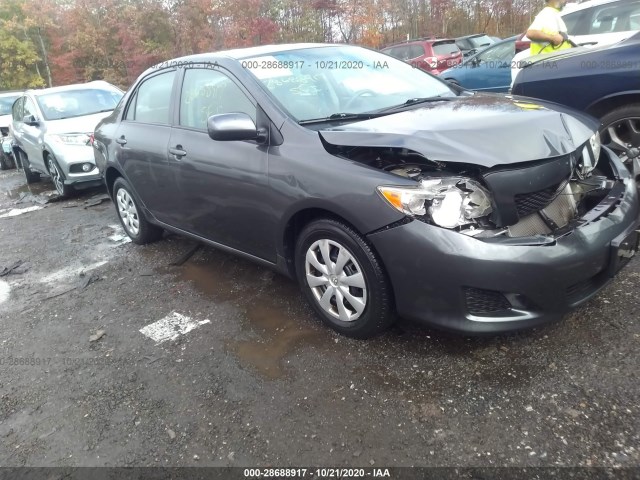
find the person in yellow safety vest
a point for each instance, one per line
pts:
(548, 32)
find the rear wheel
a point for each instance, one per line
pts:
(131, 217)
(343, 279)
(621, 129)
(30, 177)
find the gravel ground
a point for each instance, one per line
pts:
(259, 381)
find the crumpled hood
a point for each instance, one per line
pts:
(486, 130)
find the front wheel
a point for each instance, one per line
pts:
(57, 178)
(621, 129)
(138, 228)
(343, 280)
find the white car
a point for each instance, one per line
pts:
(595, 22)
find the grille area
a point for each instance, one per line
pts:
(480, 302)
(527, 203)
(581, 290)
(561, 211)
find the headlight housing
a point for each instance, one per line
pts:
(590, 156)
(71, 138)
(448, 202)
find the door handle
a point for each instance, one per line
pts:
(121, 140)
(177, 152)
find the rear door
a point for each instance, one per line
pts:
(143, 139)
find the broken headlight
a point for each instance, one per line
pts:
(590, 156)
(449, 201)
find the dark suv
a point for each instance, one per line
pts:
(431, 55)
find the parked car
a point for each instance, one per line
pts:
(487, 71)
(601, 81)
(52, 128)
(431, 55)
(6, 154)
(591, 23)
(381, 188)
(472, 44)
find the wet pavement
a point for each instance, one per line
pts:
(257, 380)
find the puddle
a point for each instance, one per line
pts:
(274, 309)
(33, 189)
(281, 334)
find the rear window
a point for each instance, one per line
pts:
(483, 41)
(6, 102)
(445, 48)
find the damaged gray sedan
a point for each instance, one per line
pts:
(383, 190)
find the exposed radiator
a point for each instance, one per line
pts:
(561, 211)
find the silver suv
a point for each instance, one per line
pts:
(52, 130)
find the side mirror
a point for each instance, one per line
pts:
(475, 61)
(30, 120)
(234, 126)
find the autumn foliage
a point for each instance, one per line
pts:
(57, 42)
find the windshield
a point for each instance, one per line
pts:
(6, 102)
(76, 103)
(318, 82)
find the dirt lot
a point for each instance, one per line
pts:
(258, 381)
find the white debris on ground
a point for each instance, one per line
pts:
(171, 327)
(5, 289)
(71, 271)
(14, 212)
(119, 236)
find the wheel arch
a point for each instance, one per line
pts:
(604, 105)
(111, 174)
(303, 217)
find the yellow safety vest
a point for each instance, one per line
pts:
(548, 47)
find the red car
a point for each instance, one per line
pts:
(432, 55)
(522, 42)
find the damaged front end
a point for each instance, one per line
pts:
(528, 203)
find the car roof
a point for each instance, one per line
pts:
(240, 53)
(576, 7)
(75, 86)
(475, 35)
(11, 93)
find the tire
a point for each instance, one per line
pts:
(4, 161)
(131, 216)
(58, 178)
(367, 306)
(31, 177)
(621, 127)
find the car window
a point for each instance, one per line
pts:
(6, 102)
(613, 19)
(210, 92)
(416, 50)
(499, 53)
(577, 23)
(29, 108)
(445, 48)
(463, 44)
(481, 41)
(401, 52)
(17, 110)
(152, 100)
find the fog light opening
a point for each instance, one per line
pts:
(87, 167)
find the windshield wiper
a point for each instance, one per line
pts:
(415, 101)
(341, 116)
